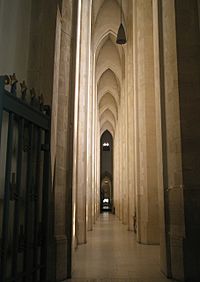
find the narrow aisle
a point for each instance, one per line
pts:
(112, 254)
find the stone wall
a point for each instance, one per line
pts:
(188, 57)
(15, 18)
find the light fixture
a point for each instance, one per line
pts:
(121, 36)
(106, 201)
(106, 144)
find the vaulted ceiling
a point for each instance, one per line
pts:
(108, 61)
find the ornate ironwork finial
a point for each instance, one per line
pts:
(7, 80)
(33, 96)
(14, 81)
(23, 90)
(41, 102)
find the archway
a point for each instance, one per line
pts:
(106, 167)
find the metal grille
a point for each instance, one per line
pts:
(24, 186)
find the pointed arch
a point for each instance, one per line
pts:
(108, 116)
(109, 34)
(107, 17)
(109, 83)
(108, 102)
(107, 126)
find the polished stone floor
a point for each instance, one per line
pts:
(112, 255)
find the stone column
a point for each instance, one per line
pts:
(75, 135)
(94, 107)
(187, 17)
(123, 155)
(135, 119)
(171, 192)
(125, 144)
(147, 191)
(95, 140)
(54, 136)
(41, 47)
(116, 170)
(89, 139)
(130, 120)
(63, 162)
(81, 173)
(160, 156)
(98, 172)
(120, 165)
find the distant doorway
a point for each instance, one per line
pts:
(106, 170)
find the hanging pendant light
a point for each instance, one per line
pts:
(121, 36)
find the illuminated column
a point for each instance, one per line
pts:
(130, 121)
(93, 140)
(124, 154)
(120, 166)
(116, 171)
(83, 94)
(147, 186)
(171, 192)
(90, 161)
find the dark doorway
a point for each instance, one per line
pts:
(106, 166)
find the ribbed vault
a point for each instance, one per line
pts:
(109, 83)
(107, 17)
(108, 102)
(108, 61)
(107, 126)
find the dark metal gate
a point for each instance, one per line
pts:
(24, 186)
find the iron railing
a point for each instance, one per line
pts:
(24, 183)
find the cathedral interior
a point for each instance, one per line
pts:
(99, 140)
